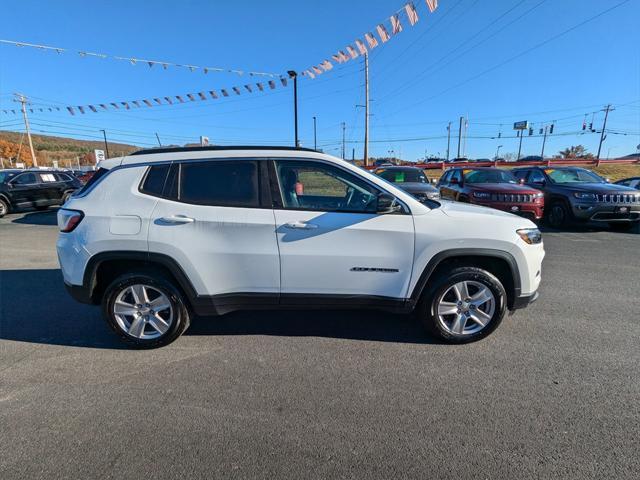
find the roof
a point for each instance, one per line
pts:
(149, 151)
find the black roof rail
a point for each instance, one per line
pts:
(218, 148)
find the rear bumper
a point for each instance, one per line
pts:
(524, 301)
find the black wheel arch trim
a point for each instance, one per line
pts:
(89, 280)
(439, 257)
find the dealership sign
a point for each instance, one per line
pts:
(523, 125)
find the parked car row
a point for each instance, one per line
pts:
(559, 195)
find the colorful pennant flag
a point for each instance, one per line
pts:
(412, 14)
(432, 5)
(371, 40)
(382, 33)
(396, 26)
(361, 47)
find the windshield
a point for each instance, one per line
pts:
(403, 175)
(488, 176)
(573, 175)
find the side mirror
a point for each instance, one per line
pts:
(608, 180)
(387, 203)
(434, 181)
(454, 181)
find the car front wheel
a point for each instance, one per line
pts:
(145, 310)
(4, 208)
(463, 305)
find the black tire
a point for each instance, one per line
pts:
(4, 207)
(428, 305)
(182, 315)
(558, 215)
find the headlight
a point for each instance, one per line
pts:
(538, 195)
(530, 235)
(584, 195)
(482, 194)
(433, 196)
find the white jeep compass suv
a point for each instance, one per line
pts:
(164, 234)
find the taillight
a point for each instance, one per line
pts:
(68, 220)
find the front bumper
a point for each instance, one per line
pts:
(529, 210)
(524, 301)
(79, 293)
(606, 212)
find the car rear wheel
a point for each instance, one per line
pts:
(4, 207)
(145, 310)
(463, 305)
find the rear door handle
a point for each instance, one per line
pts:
(300, 225)
(177, 219)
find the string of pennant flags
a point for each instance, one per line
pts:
(162, 100)
(135, 61)
(384, 30)
(367, 42)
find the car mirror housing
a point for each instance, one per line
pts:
(387, 203)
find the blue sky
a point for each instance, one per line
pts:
(471, 57)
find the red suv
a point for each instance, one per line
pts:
(492, 187)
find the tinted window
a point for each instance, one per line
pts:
(397, 175)
(457, 174)
(153, 182)
(25, 179)
(520, 174)
(489, 176)
(445, 178)
(227, 184)
(536, 176)
(62, 177)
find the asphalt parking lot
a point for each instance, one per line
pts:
(553, 393)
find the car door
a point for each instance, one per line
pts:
(50, 186)
(443, 185)
(214, 219)
(334, 246)
(25, 190)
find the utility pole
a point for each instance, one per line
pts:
(366, 109)
(293, 74)
(344, 126)
(106, 145)
(315, 137)
(521, 133)
(460, 135)
(544, 141)
(448, 139)
(497, 152)
(158, 138)
(353, 155)
(604, 126)
(23, 102)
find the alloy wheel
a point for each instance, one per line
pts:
(466, 307)
(143, 312)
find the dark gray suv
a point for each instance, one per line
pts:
(578, 194)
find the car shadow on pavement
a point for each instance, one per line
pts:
(35, 308)
(46, 217)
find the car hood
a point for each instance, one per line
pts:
(596, 187)
(464, 210)
(417, 187)
(502, 188)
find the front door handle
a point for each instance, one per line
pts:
(300, 225)
(177, 219)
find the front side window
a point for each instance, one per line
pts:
(536, 176)
(220, 183)
(153, 182)
(25, 179)
(457, 175)
(322, 187)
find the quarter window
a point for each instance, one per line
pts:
(220, 183)
(536, 176)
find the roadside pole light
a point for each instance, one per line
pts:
(315, 138)
(294, 75)
(498, 151)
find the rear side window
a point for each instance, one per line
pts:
(154, 180)
(220, 183)
(62, 177)
(25, 179)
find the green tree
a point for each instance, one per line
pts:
(575, 151)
